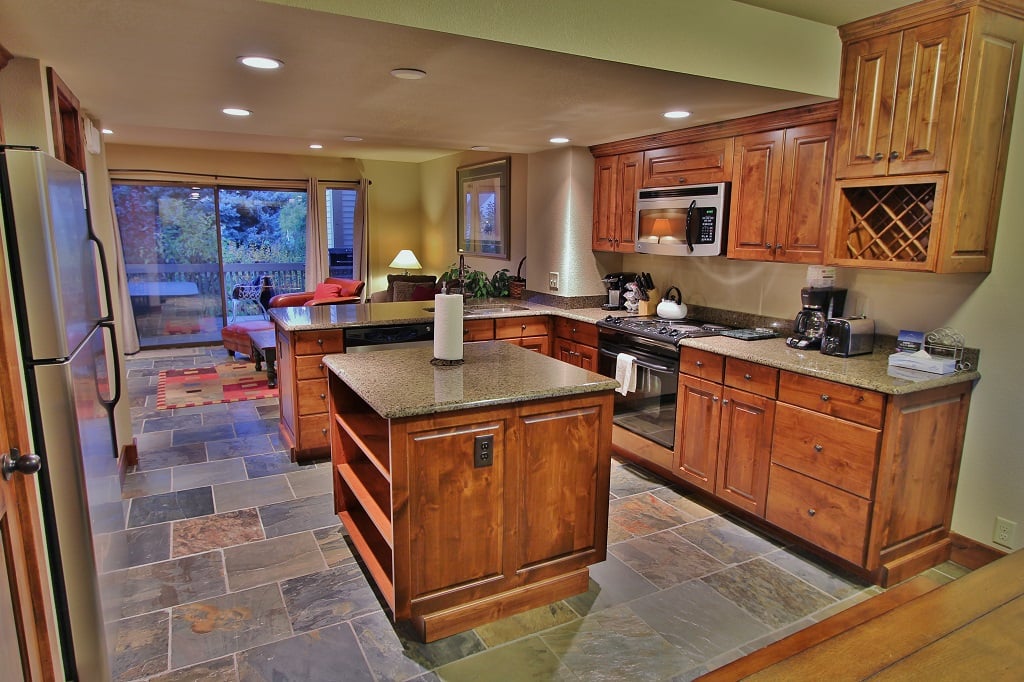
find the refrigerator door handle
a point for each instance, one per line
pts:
(101, 252)
(116, 378)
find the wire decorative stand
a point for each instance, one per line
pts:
(946, 342)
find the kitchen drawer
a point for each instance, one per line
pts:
(313, 433)
(310, 367)
(538, 344)
(827, 517)
(832, 450)
(516, 327)
(312, 395)
(839, 400)
(752, 377)
(701, 364)
(312, 343)
(582, 332)
(477, 330)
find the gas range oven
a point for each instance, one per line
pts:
(650, 410)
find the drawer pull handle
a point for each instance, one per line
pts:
(818, 447)
(825, 397)
(524, 327)
(320, 342)
(811, 512)
(321, 366)
(323, 396)
(747, 377)
(323, 431)
(700, 363)
(682, 181)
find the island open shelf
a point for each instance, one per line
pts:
(455, 539)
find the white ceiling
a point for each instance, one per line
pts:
(158, 72)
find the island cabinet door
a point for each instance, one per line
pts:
(455, 509)
(563, 485)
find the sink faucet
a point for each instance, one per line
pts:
(462, 272)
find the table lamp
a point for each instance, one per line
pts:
(661, 228)
(406, 260)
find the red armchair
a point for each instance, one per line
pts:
(331, 290)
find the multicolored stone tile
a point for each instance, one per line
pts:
(522, 661)
(726, 540)
(249, 493)
(140, 647)
(395, 652)
(163, 584)
(258, 563)
(769, 593)
(665, 559)
(330, 653)
(192, 536)
(183, 504)
(328, 597)
(526, 623)
(308, 513)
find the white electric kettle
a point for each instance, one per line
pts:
(672, 308)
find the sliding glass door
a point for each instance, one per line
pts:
(198, 256)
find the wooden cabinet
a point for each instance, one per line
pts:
(302, 378)
(478, 330)
(616, 181)
(576, 343)
(866, 477)
(533, 332)
(689, 164)
(927, 95)
(781, 186)
(723, 434)
(451, 545)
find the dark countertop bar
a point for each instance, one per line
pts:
(403, 383)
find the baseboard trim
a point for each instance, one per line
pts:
(971, 553)
(129, 458)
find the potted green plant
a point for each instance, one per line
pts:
(500, 282)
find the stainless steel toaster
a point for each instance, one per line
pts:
(846, 336)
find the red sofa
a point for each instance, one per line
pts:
(332, 290)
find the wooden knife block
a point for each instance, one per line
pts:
(648, 307)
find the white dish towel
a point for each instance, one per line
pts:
(625, 373)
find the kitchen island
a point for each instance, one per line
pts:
(471, 492)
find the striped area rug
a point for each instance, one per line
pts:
(227, 383)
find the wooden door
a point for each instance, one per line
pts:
(28, 640)
(927, 87)
(629, 179)
(753, 212)
(805, 194)
(605, 183)
(698, 413)
(866, 95)
(564, 351)
(744, 450)
(689, 164)
(586, 357)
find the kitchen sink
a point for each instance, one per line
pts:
(486, 308)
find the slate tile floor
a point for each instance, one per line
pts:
(237, 569)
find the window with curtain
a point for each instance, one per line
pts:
(198, 256)
(343, 236)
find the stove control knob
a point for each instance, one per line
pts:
(674, 332)
(663, 330)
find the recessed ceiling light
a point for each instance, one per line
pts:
(261, 62)
(676, 114)
(352, 138)
(107, 131)
(409, 74)
(316, 146)
(559, 140)
(231, 111)
(479, 148)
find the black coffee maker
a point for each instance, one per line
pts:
(820, 305)
(615, 282)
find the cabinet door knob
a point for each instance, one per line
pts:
(818, 447)
(714, 398)
(894, 155)
(682, 181)
(768, 245)
(811, 512)
(725, 402)
(747, 377)
(825, 397)
(323, 396)
(700, 363)
(879, 156)
(524, 327)
(321, 366)
(323, 431)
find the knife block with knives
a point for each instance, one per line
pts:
(649, 306)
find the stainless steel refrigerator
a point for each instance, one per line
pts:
(71, 365)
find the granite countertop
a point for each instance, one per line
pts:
(864, 371)
(403, 383)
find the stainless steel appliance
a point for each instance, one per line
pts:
(688, 220)
(614, 283)
(819, 306)
(70, 357)
(846, 336)
(388, 337)
(650, 410)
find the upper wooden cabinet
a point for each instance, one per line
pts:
(689, 164)
(616, 181)
(781, 185)
(898, 100)
(926, 105)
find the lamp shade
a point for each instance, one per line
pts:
(406, 260)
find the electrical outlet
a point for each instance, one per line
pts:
(1005, 530)
(483, 451)
(553, 281)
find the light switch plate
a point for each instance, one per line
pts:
(553, 281)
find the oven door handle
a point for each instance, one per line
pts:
(639, 362)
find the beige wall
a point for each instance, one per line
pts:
(395, 217)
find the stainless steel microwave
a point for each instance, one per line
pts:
(688, 220)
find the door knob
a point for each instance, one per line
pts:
(28, 464)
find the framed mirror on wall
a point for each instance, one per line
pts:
(483, 209)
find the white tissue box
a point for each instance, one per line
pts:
(924, 362)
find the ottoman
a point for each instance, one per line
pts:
(236, 335)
